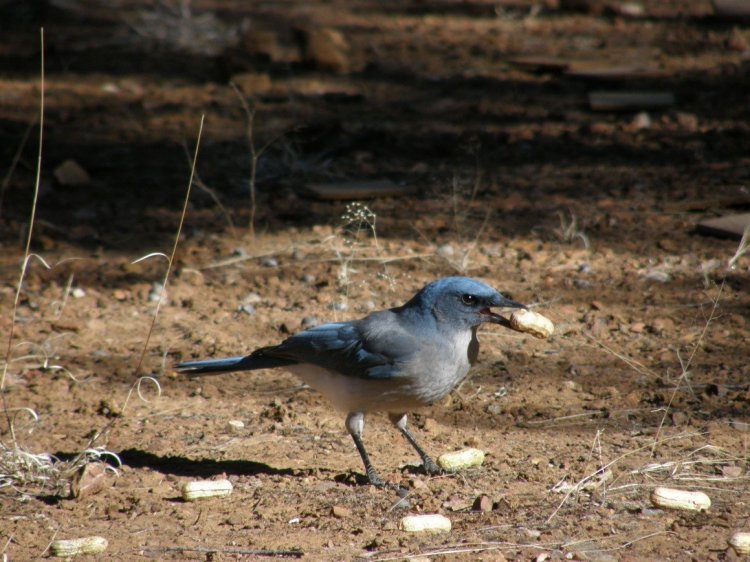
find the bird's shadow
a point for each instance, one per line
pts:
(206, 468)
(184, 466)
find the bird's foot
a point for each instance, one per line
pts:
(431, 467)
(378, 482)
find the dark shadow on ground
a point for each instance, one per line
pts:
(183, 466)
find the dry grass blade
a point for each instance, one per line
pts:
(170, 262)
(578, 486)
(174, 250)
(14, 314)
(632, 363)
(686, 366)
(742, 249)
(200, 184)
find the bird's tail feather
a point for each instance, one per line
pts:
(229, 364)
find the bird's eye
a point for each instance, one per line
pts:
(468, 299)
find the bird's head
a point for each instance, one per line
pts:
(463, 302)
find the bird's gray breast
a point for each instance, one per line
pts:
(442, 364)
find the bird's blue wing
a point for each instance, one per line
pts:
(374, 348)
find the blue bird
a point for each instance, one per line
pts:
(392, 360)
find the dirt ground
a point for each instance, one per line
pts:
(510, 177)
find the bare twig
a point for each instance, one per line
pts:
(254, 154)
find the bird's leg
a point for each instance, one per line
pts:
(355, 423)
(399, 420)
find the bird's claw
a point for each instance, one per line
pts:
(431, 467)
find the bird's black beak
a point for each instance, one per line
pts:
(500, 302)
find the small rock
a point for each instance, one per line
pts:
(455, 502)
(269, 262)
(445, 251)
(120, 294)
(472, 441)
(736, 41)
(495, 409)
(631, 9)
(71, 174)
(687, 121)
(641, 121)
(662, 325)
(418, 484)
(240, 252)
(78, 293)
(157, 293)
(308, 278)
(532, 533)
(251, 83)
(248, 309)
(658, 276)
(327, 48)
(680, 418)
(339, 306)
(731, 471)
(91, 479)
(668, 245)
(431, 426)
(341, 512)
(251, 298)
(637, 327)
(235, 426)
(482, 503)
(310, 322)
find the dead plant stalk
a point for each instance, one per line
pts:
(26, 254)
(170, 263)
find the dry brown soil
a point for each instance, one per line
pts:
(590, 215)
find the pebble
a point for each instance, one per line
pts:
(328, 49)
(269, 262)
(482, 503)
(235, 426)
(430, 523)
(445, 251)
(120, 294)
(658, 276)
(641, 121)
(310, 322)
(341, 512)
(156, 293)
(78, 293)
(248, 309)
(71, 174)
